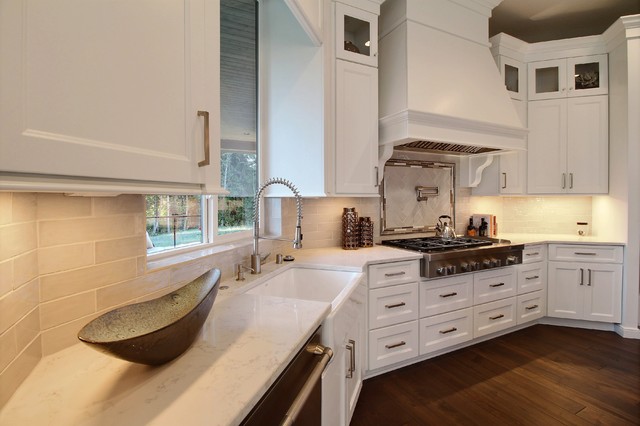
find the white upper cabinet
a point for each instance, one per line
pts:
(568, 149)
(560, 78)
(320, 104)
(115, 90)
(356, 35)
(514, 74)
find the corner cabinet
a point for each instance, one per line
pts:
(585, 282)
(126, 91)
(569, 77)
(321, 126)
(568, 146)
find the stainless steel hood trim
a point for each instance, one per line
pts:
(411, 126)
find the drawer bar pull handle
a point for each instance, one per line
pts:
(584, 253)
(453, 293)
(532, 254)
(528, 308)
(395, 274)
(496, 285)
(451, 330)
(395, 305)
(395, 345)
(535, 277)
(496, 317)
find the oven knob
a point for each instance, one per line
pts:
(486, 264)
(441, 271)
(451, 270)
(465, 267)
(475, 266)
(512, 260)
(496, 263)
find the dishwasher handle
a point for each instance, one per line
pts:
(326, 353)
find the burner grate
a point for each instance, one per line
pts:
(435, 244)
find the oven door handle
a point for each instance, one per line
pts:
(309, 385)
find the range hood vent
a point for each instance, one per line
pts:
(444, 148)
(440, 88)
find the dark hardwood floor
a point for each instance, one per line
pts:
(542, 375)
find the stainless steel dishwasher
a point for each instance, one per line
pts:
(296, 396)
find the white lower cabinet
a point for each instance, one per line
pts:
(493, 285)
(392, 305)
(393, 344)
(494, 316)
(531, 306)
(445, 330)
(585, 282)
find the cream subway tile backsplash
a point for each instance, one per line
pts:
(68, 231)
(25, 268)
(126, 291)
(65, 257)
(6, 277)
(15, 373)
(24, 207)
(9, 348)
(59, 206)
(120, 248)
(67, 283)
(17, 238)
(67, 309)
(124, 204)
(27, 329)
(17, 304)
(6, 207)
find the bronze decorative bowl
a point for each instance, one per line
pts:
(156, 331)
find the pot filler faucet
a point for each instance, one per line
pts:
(256, 260)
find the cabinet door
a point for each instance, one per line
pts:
(513, 165)
(109, 89)
(547, 79)
(603, 298)
(587, 75)
(514, 76)
(356, 35)
(588, 145)
(547, 147)
(565, 298)
(356, 128)
(355, 345)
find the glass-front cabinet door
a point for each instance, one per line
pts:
(514, 76)
(560, 78)
(547, 79)
(356, 35)
(588, 75)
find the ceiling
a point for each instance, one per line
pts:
(542, 20)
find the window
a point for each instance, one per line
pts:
(176, 221)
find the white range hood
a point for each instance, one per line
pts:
(440, 89)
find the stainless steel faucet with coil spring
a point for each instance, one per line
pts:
(256, 260)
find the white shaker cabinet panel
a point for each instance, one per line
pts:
(356, 130)
(106, 89)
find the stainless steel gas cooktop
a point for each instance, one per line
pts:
(460, 255)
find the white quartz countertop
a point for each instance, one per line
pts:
(245, 344)
(558, 239)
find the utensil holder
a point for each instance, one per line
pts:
(350, 229)
(366, 232)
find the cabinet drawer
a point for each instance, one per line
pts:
(585, 253)
(534, 253)
(446, 295)
(441, 331)
(393, 305)
(393, 344)
(531, 306)
(494, 316)
(493, 285)
(386, 274)
(532, 277)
